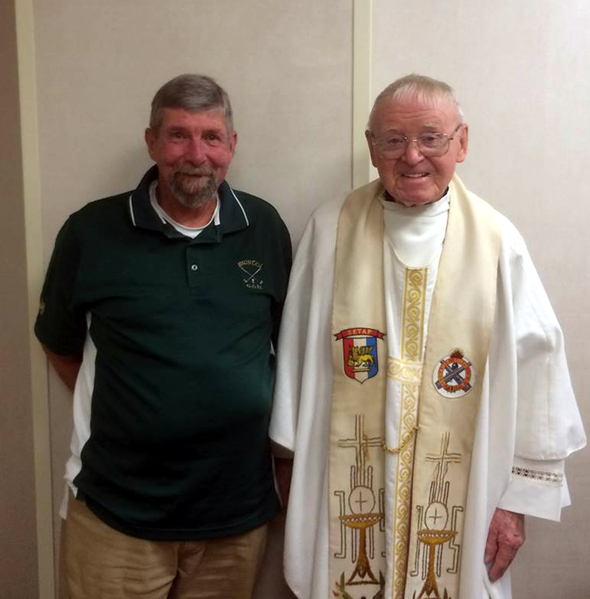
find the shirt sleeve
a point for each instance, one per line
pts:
(286, 262)
(61, 323)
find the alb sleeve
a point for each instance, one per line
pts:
(292, 347)
(548, 423)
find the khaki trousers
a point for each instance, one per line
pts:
(99, 562)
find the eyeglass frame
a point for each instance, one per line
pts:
(409, 140)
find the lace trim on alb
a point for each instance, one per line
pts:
(542, 475)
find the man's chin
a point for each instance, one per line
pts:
(195, 195)
(194, 200)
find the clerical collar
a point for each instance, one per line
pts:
(387, 197)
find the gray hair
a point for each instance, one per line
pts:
(420, 87)
(195, 93)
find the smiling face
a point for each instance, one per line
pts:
(193, 151)
(414, 179)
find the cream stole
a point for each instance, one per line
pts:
(456, 352)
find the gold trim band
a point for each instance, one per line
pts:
(407, 438)
(404, 371)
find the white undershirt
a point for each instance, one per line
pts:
(191, 232)
(416, 233)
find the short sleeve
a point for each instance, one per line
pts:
(61, 323)
(286, 263)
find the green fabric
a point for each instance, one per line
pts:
(182, 393)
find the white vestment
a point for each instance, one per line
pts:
(528, 421)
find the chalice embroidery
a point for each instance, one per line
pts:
(361, 509)
(437, 526)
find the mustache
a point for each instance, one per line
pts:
(188, 169)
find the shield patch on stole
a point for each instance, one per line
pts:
(361, 358)
(454, 375)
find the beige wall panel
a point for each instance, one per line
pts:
(18, 553)
(521, 71)
(287, 67)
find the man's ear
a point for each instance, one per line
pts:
(150, 141)
(464, 142)
(369, 138)
(233, 142)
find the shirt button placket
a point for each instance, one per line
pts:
(193, 268)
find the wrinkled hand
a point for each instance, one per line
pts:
(505, 537)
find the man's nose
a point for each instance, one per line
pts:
(412, 155)
(195, 150)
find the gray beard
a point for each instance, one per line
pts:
(195, 195)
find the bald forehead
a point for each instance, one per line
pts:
(434, 111)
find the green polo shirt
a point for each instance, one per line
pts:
(183, 371)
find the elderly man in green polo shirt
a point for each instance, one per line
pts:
(159, 311)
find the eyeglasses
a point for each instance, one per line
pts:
(429, 144)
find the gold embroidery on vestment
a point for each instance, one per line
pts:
(413, 316)
(404, 371)
(365, 510)
(409, 437)
(408, 372)
(437, 524)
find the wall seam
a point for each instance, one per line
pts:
(361, 89)
(25, 33)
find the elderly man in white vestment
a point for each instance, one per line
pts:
(422, 383)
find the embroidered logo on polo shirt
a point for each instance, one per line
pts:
(41, 307)
(251, 270)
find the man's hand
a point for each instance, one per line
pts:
(283, 472)
(505, 537)
(67, 367)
